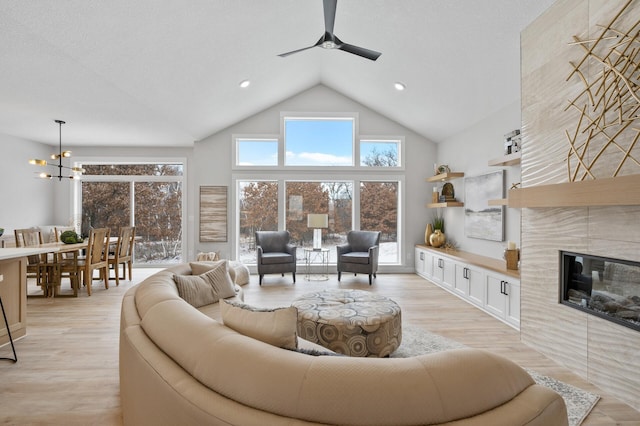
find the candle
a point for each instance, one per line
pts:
(511, 245)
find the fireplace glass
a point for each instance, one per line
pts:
(601, 286)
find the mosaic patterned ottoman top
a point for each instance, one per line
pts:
(350, 322)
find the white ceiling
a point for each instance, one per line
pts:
(166, 72)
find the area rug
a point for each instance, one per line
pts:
(417, 341)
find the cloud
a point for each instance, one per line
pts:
(317, 159)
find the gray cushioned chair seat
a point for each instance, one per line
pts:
(356, 257)
(276, 258)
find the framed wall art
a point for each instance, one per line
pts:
(480, 219)
(213, 214)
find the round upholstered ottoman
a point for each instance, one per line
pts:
(350, 322)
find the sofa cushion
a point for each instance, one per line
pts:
(207, 288)
(274, 326)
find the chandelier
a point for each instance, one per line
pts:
(66, 154)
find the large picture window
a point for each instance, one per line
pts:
(147, 196)
(261, 205)
(379, 212)
(315, 174)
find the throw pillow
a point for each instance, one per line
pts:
(212, 255)
(200, 267)
(195, 290)
(207, 288)
(277, 327)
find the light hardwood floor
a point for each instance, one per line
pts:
(67, 369)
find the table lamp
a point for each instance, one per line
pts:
(317, 222)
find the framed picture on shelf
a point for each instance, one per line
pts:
(480, 219)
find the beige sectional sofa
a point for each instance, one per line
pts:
(180, 366)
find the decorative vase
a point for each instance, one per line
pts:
(437, 239)
(427, 234)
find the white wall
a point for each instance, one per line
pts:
(213, 157)
(209, 163)
(469, 152)
(26, 200)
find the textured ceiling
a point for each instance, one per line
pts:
(166, 72)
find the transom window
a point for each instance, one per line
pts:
(257, 152)
(315, 143)
(380, 153)
(319, 141)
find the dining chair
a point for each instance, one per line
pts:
(97, 258)
(38, 266)
(123, 254)
(68, 261)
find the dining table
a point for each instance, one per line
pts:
(55, 253)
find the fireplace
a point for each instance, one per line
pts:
(605, 287)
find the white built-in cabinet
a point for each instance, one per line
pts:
(503, 298)
(482, 281)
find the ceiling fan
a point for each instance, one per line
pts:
(330, 41)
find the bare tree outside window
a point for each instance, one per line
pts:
(157, 207)
(258, 211)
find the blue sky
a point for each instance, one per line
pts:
(309, 143)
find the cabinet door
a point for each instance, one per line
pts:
(513, 304)
(449, 274)
(496, 300)
(438, 270)
(476, 294)
(420, 256)
(461, 284)
(428, 264)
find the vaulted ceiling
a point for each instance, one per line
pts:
(167, 72)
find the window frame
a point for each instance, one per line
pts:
(399, 140)
(358, 139)
(320, 117)
(76, 193)
(237, 138)
(355, 177)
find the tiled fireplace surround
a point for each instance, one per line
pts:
(605, 353)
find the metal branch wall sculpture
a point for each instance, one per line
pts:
(609, 104)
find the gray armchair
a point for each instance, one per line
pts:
(360, 254)
(275, 254)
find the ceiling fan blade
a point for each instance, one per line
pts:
(360, 51)
(284, 55)
(329, 15)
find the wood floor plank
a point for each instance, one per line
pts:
(67, 369)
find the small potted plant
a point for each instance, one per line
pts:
(438, 238)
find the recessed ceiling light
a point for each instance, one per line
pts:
(399, 86)
(245, 83)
